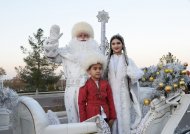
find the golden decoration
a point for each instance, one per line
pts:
(147, 102)
(175, 85)
(168, 88)
(161, 85)
(169, 58)
(182, 83)
(157, 73)
(151, 79)
(184, 72)
(171, 70)
(166, 70)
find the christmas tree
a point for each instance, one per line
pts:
(169, 76)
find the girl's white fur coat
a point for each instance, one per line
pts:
(117, 77)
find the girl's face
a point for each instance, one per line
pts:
(116, 46)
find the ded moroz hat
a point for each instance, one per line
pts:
(82, 27)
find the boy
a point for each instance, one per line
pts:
(95, 97)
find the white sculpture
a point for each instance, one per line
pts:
(164, 114)
(32, 119)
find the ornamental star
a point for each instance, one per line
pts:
(103, 16)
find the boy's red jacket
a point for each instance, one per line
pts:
(91, 98)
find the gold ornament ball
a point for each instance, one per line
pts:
(185, 64)
(181, 83)
(175, 86)
(171, 70)
(157, 73)
(184, 72)
(166, 70)
(151, 79)
(168, 89)
(161, 84)
(147, 102)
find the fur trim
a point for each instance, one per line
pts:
(82, 27)
(91, 58)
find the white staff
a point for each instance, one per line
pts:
(103, 18)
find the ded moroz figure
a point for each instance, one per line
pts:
(82, 41)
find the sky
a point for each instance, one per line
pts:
(151, 28)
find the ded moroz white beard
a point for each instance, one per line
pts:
(81, 49)
(77, 46)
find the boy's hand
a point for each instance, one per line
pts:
(110, 123)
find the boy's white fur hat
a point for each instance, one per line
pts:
(82, 27)
(92, 58)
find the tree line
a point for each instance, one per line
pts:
(38, 72)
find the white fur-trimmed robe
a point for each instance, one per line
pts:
(118, 70)
(74, 74)
(75, 77)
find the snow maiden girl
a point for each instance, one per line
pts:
(123, 76)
